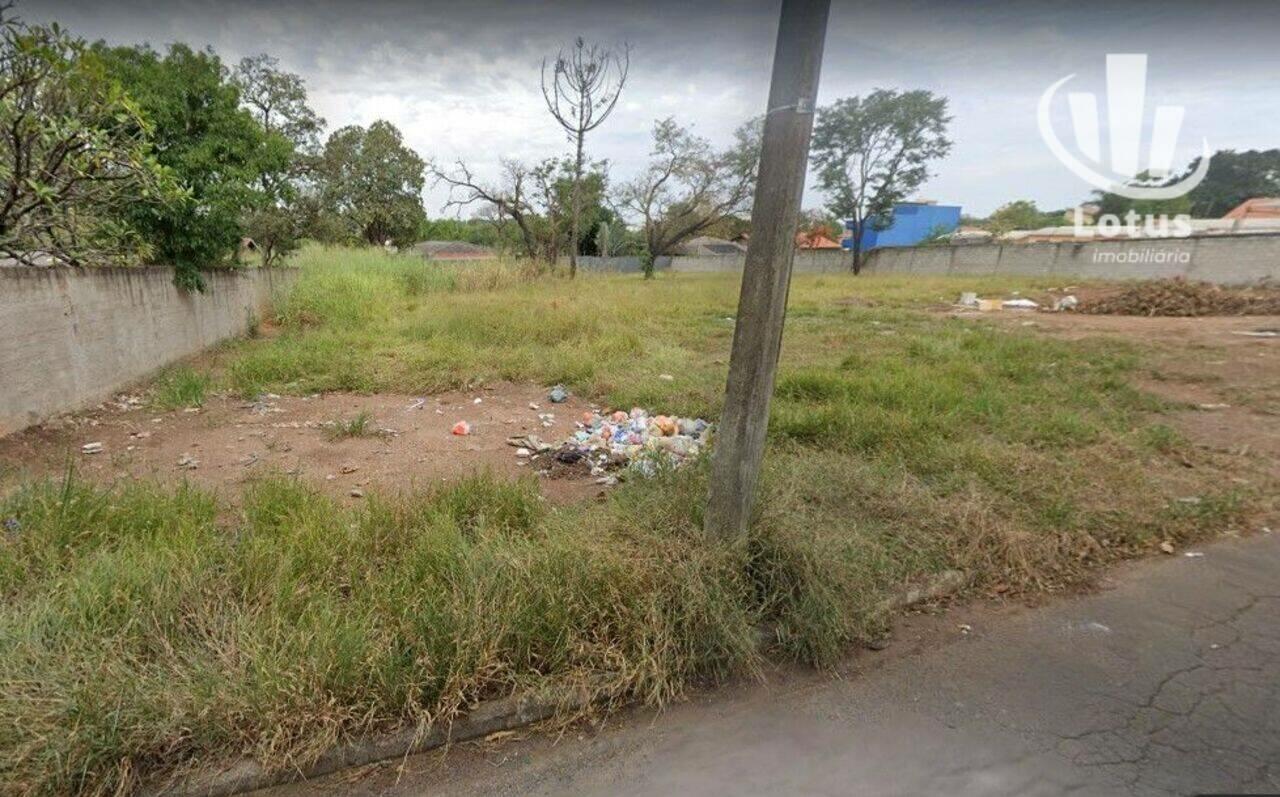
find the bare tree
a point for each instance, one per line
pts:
(689, 186)
(583, 88)
(508, 200)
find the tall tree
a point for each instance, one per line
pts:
(75, 149)
(215, 148)
(1234, 177)
(872, 152)
(372, 183)
(278, 100)
(584, 87)
(1021, 214)
(689, 186)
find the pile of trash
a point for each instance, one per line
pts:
(1186, 298)
(612, 445)
(972, 301)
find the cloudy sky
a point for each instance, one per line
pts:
(461, 78)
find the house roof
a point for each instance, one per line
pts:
(1260, 207)
(813, 239)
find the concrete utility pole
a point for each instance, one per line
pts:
(766, 278)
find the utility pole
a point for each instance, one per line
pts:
(766, 277)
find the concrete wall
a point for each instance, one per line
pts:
(1225, 260)
(71, 337)
(817, 261)
(626, 265)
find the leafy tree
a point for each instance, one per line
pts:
(75, 148)
(1020, 214)
(372, 184)
(689, 187)
(278, 100)
(1232, 178)
(214, 148)
(872, 152)
(1120, 206)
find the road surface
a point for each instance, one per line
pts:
(1168, 682)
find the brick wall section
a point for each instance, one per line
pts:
(70, 337)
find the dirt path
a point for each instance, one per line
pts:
(1166, 684)
(229, 441)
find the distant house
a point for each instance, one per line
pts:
(811, 239)
(1262, 207)
(452, 250)
(911, 223)
(705, 245)
(814, 239)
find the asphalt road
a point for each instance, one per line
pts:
(1168, 682)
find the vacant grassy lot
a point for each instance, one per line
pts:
(146, 629)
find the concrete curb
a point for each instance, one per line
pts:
(496, 715)
(248, 775)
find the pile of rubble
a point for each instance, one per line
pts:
(612, 445)
(1180, 297)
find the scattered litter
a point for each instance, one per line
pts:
(1257, 333)
(91, 448)
(968, 299)
(188, 462)
(635, 441)
(529, 442)
(417, 405)
(1191, 500)
(666, 377)
(356, 492)
(12, 525)
(1167, 547)
(557, 395)
(1194, 554)
(349, 468)
(477, 400)
(523, 453)
(533, 405)
(1019, 304)
(1213, 406)
(461, 428)
(965, 628)
(140, 435)
(1066, 303)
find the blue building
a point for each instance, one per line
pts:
(912, 223)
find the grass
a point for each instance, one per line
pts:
(359, 425)
(145, 629)
(180, 388)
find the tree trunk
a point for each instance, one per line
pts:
(574, 209)
(856, 248)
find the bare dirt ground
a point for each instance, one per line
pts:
(229, 442)
(1225, 385)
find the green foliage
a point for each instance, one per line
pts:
(75, 149)
(872, 152)
(1234, 177)
(689, 187)
(371, 183)
(1021, 214)
(215, 148)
